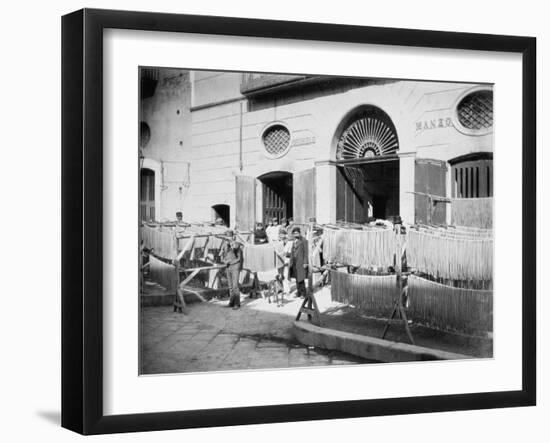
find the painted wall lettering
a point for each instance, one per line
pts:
(303, 141)
(434, 123)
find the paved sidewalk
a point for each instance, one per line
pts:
(212, 337)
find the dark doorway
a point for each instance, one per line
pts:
(379, 203)
(368, 188)
(223, 212)
(147, 195)
(276, 195)
(382, 188)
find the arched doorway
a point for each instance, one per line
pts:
(147, 195)
(221, 212)
(276, 195)
(367, 182)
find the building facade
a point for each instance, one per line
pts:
(246, 147)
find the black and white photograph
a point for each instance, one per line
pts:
(299, 220)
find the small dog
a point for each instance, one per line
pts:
(276, 290)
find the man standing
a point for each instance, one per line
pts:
(283, 249)
(299, 261)
(233, 261)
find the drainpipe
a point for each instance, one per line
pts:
(241, 136)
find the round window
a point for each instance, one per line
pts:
(276, 140)
(144, 134)
(475, 111)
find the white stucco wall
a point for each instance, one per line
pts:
(423, 114)
(167, 113)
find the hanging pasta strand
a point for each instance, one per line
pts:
(259, 258)
(367, 248)
(439, 306)
(445, 307)
(451, 256)
(373, 294)
(163, 273)
(163, 241)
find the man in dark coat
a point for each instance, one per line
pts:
(233, 259)
(299, 261)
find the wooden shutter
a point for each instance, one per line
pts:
(245, 189)
(350, 204)
(147, 195)
(303, 195)
(430, 177)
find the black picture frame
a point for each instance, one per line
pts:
(82, 219)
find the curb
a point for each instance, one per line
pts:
(370, 348)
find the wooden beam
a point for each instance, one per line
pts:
(202, 268)
(437, 198)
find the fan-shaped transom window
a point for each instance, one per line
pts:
(276, 140)
(475, 110)
(368, 134)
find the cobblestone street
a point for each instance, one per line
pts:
(212, 337)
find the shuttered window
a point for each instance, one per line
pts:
(472, 178)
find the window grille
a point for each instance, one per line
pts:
(475, 111)
(276, 140)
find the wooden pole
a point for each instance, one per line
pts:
(179, 301)
(187, 247)
(309, 305)
(401, 288)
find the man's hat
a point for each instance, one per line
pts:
(296, 229)
(179, 214)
